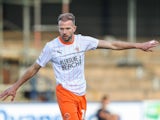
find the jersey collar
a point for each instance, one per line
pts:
(66, 43)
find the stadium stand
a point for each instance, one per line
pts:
(103, 73)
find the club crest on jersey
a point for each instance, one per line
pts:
(77, 49)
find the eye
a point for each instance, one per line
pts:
(61, 28)
(68, 28)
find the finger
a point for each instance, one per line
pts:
(12, 99)
(148, 50)
(13, 96)
(154, 45)
(154, 42)
(5, 97)
(3, 94)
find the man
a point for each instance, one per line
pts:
(66, 53)
(103, 113)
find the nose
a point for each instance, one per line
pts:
(64, 31)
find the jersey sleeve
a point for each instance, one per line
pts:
(45, 56)
(89, 43)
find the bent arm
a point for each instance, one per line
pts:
(121, 45)
(30, 72)
(11, 91)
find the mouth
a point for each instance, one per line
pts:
(65, 38)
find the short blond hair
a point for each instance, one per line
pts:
(66, 17)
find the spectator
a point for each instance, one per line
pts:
(103, 113)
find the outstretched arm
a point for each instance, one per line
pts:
(120, 45)
(31, 71)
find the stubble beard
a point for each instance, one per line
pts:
(69, 39)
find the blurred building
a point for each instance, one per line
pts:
(97, 18)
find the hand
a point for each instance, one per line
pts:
(8, 92)
(147, 46)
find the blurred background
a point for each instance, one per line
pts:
(132, 75)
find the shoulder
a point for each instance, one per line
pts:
(80, 36)
(52, 43)
(85, 38)
(49, 46)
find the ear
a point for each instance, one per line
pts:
(75, 28)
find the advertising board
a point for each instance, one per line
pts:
(50, 111)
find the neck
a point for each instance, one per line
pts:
(68, 42)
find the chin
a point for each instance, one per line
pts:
(66, 40)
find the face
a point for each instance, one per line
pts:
(105, 102)
(66, 30)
